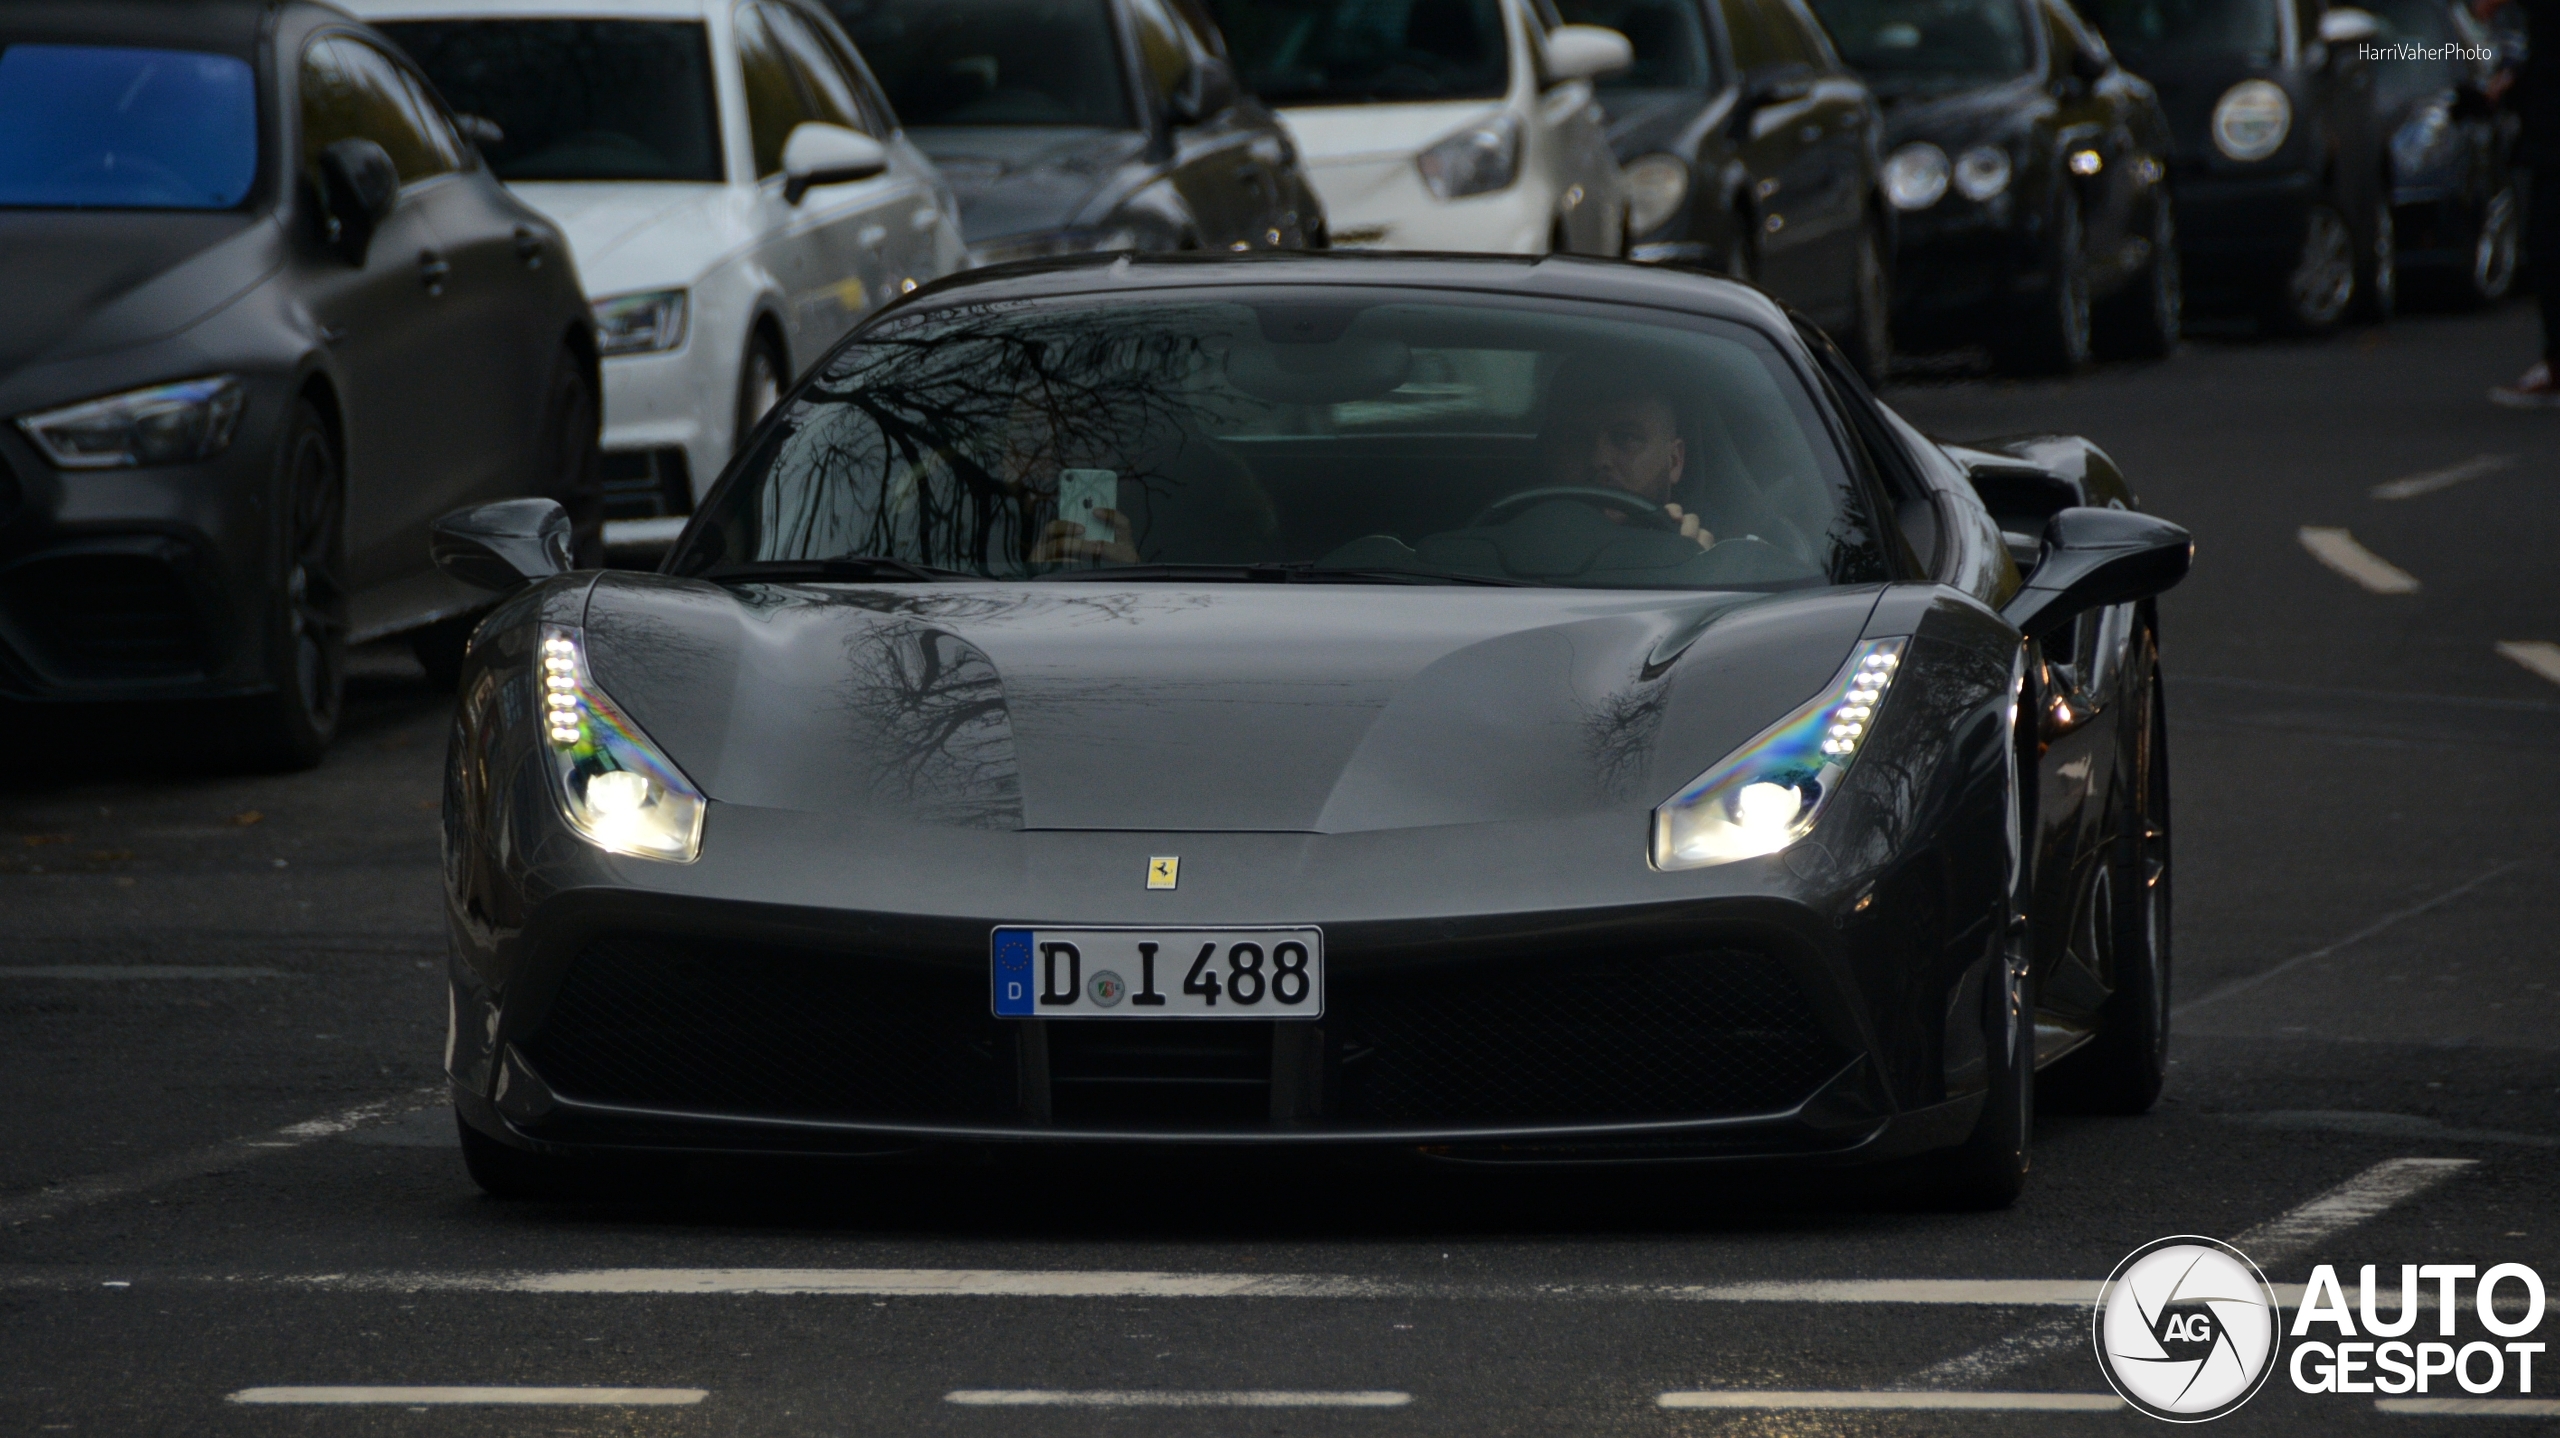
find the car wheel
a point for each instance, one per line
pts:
(760, 382)
(290, 726)
(1989, 1169)
(2052, 336)
(2122, 1069)
(2315, 293)
(1870, 338)
(2146, 320)
(2378, 266)
(572, 463)
(2494, 251)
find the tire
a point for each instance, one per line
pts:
(2122, 1069)
(2314, 295)
(2497, 248)
(2051, 336)
(1989, 1169)
(572, 461)
(2377, 295)
(2147, 318)
(515, 1173)
(439, 649)
(761, 376)
(1869, 342)
(291, 726)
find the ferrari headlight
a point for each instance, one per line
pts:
(1916, 177)
(165, 424)
(1982, 173)
(1657, 185)
(2251, 119)
(1769, 794)
(1475, 161)
(614, 786)
(639, 324)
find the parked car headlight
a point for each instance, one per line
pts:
(2251, 120)
(2422, 140)
(614, 786)
(165, 424)
(1770, 792)
(1475, 161)
(1982, 173)
(1657, 186)
(640, 324)
(1916, 176)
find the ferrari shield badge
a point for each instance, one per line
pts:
(1161, 871)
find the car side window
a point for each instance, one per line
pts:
(1752, 48)
(827, 92)
(1798, 36)
(1160, 46)
(879, 118)
(352, 91)
(775, 106)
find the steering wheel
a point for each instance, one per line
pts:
(1641, 512)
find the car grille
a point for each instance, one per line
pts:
(773, 1031)
(1718, 1032)
(106, 616)
(1186, 1073)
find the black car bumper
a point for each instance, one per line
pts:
(1961, 267)
(2241, 231)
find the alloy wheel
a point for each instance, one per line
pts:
(315, 592)
(2323, 281)
(2494, 250)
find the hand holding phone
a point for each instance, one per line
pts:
(1082, 493)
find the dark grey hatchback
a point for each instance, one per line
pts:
(264, 314)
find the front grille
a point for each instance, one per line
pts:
(646, 483)
(775, 1031)
(106, 616)
(1705, 1034)
(1192, 1073)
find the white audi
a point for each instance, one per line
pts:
(1442, 124)
(734, 187)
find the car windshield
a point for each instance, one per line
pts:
(1929, 43)
(2425, 46)
(1669, 35)
(992, 62)
(117, 127)
(578, 99)
(1347, 52)
(1298, 435)
(2140, 29)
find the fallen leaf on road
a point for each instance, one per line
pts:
(38, 841)
(244, 820)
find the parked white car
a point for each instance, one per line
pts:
(734, 187)
(1442, 124)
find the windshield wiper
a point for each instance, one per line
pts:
(1302, 572)
(845, 566)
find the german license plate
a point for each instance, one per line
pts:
(1159, 973)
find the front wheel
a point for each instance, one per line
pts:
(2378, 266)
(1989, 1169)
(2495, 248)
(2122, 1069)
(1869, 342)
(290, 726)
(572, 465)
(2314, 294)
(760, 381)
(2147, 318)
(2051, 336)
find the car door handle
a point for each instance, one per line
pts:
(529, 247)
(433, 271)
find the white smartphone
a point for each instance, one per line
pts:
(1083, 491)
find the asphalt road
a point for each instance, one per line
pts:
(224, 1166)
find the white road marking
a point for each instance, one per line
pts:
(2397, 916)
(2338, 549)
(1892, 1399)
(2473, 1407)
(2280, 1239)
(414, 1397)
(134, 971)
(1171, 1398)
(2539, 655)
(80, 1192)
(2432, 480)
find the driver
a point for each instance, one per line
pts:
(1614, 429)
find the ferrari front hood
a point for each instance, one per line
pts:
(1271, 707)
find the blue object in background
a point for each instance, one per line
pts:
(113, 127)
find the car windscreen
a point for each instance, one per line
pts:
(578, 99)
(1932, 44)
(121, 127)
(2425, 46)
(1670, 39)
(993, 62)
(2142, 29)
(1347, 52)
(1299, 433)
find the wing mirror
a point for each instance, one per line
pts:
(503, 546)
(1209, 88)
(480, 130)
(2347, 25)
(2096, 557)
(359, 186)
(823, 154)
(1586, 52)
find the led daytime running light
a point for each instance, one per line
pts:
(1769, 794)
(614, 786)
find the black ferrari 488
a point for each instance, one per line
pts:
(1499, 708)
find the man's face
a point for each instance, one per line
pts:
(1629, 444)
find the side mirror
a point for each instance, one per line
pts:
(1586, 52)
(2347, 25)
(504, 546)
(358, 188)
(480, 130)
(2096, 557)
(822, 154)
(1209, 88)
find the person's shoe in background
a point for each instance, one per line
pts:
(2534, 389)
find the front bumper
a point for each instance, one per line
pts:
(1960, 265)
(1383, 204)
(2241, 230)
